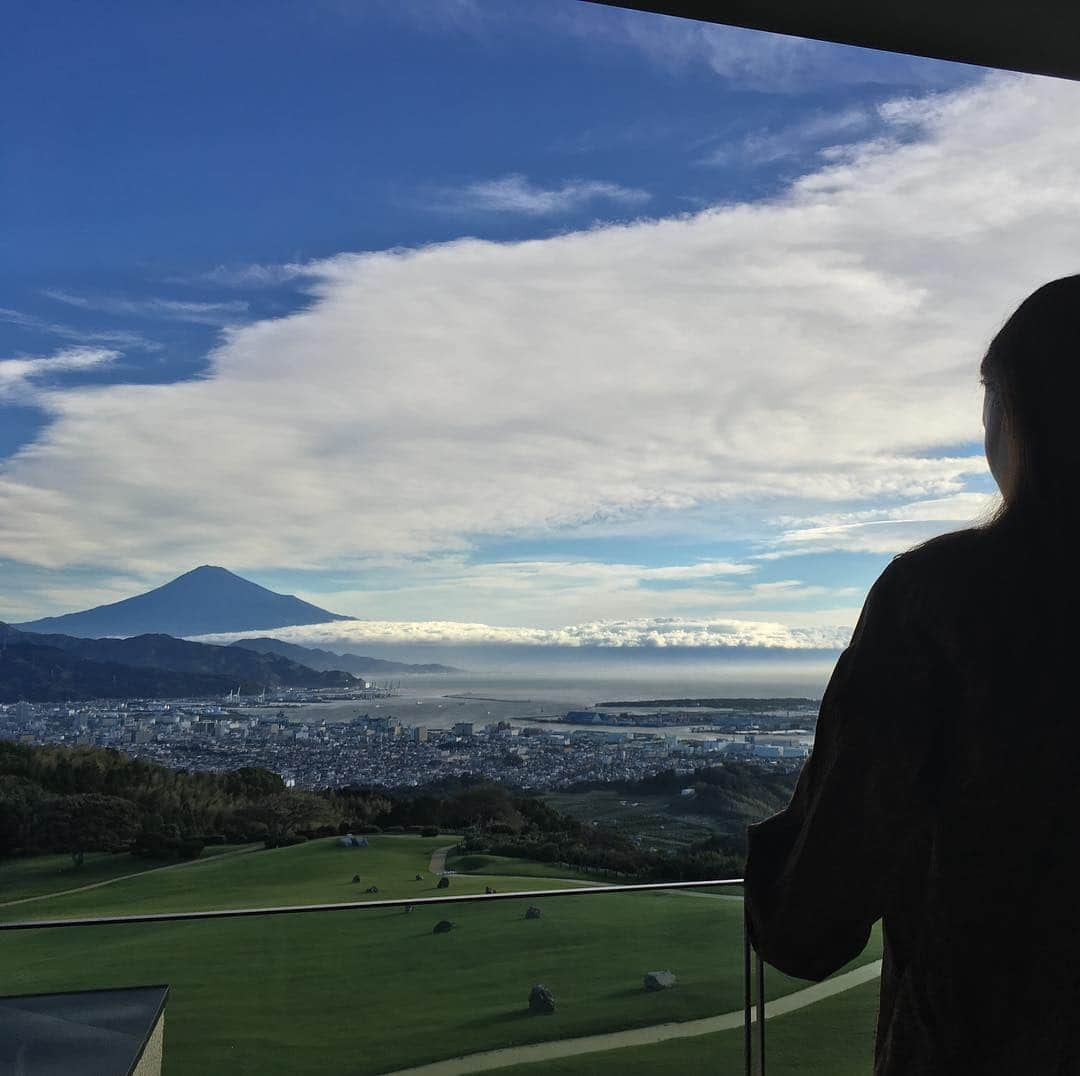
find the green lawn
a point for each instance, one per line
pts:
(475, 863)
(834, 1037)
(39, 875)
(313, 873)
(369, 992)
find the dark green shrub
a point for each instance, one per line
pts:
(190, 848)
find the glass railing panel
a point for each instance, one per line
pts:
(379, 989)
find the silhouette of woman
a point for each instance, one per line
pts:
(942, 795)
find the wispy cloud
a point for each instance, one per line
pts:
(201, 313)
(880, 530)
(796, 140)
(551, 590)
(515, 193)
(752, 59)
(251, 275)
(21, 377)
(121, 338)
(28, 593)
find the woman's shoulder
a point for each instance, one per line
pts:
(946, 552)
(935, 568)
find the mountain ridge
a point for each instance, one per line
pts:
(357, 664)
(43, 668)
(45, 674)
(204, 601)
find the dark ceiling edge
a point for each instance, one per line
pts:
(1041, 37)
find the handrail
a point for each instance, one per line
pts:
(751, 958)
(356, 905)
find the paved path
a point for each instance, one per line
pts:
(125, 877)
(438, 859)
(642, 1036)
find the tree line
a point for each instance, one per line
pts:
(77, 800)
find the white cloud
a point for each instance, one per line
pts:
(517, 194)
(200, 313)
(553, 591)
(751, 59)
(252, 275)
(548, 574)
(21, 378)
(28, 595)
(774, 63)
(882, 530)
(652, 632)
(822, 131)
(819, 349)
(706, 569)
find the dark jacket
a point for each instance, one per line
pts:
(942, 796)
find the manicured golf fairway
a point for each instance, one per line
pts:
(366, 992)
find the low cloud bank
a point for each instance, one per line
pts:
(646, 633)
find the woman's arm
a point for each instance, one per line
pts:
(817, 873)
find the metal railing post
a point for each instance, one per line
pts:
(748, 1037)
(761, 1013)
(749, 1004)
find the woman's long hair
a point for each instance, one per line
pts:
(1033, 366)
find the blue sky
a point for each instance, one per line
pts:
(670, 321)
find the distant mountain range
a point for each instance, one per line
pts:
(45, 674)
(325, 659)
(128, 649)
(54, 668)
(204, 601)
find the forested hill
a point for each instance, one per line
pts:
(83, 799)
(179, 655)
(46, 674)
(47, 668)
(733, 793)
(90, 799)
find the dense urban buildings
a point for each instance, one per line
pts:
(382, 749)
